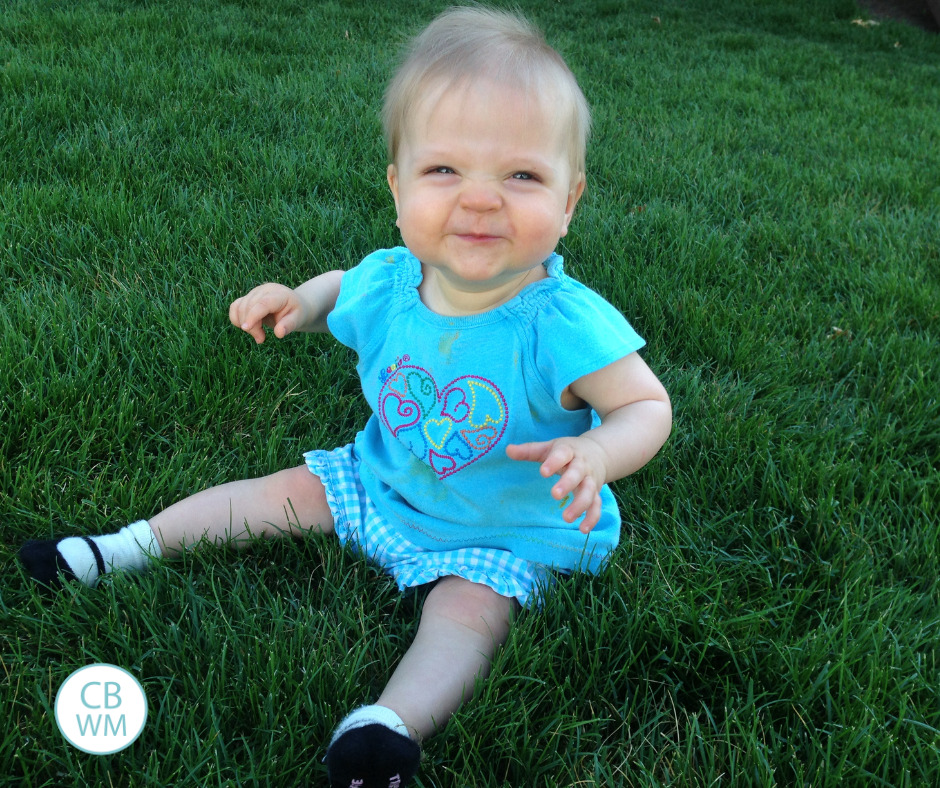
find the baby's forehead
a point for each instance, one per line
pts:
(466, 96)
(546, 93)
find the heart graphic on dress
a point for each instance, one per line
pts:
(449, 428)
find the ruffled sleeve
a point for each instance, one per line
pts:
(371, 293)
(578, 332)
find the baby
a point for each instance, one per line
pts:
(505, 396)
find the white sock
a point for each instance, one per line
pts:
(370, 715)
(371, 747)
(131, 548)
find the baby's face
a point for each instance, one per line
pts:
(484, 189)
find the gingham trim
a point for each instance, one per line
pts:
(359, 524)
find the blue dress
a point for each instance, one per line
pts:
(448, 394)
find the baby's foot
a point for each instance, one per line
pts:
(44, 562)
(86, 558)
(371, 749)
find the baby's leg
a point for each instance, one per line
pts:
(461, 627)
(287, 503)
(290, 502)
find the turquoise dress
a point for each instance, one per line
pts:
(448, 394)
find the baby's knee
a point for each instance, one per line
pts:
(303, 497)
(473, 605)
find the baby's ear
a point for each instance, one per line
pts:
(392, 176)
(574, 195)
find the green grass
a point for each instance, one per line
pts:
(764, 204)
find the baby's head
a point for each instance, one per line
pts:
(466, 45)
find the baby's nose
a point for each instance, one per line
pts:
(480, 196)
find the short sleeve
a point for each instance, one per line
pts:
(365, 296)
(578, 332)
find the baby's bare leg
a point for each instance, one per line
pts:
(461, 627)
(291, 502)
(288, 503)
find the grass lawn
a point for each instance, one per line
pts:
(763, 205)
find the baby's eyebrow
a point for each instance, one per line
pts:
(527, 163)
(506, 162)
(537, 165)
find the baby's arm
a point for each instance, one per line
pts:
(304, 308)
(636, 418)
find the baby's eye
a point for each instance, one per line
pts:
(441, 170)
(524, 176)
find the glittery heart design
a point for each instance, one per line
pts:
(447, 428)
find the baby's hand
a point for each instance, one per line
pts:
(272, 305)
(582, 465)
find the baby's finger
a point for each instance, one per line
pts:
(237, 316)
(285, 325)
(557, 459)
(592, 516)
(568, 482)
(583, 496)
(573, 477)
(235, 311)
(259, 314)
(257, 331)
(534, 451)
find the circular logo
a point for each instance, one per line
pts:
(101, 709)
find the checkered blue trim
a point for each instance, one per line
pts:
(360, 525)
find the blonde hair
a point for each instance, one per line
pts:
(465, 43)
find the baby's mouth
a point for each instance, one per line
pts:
(477, 237)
